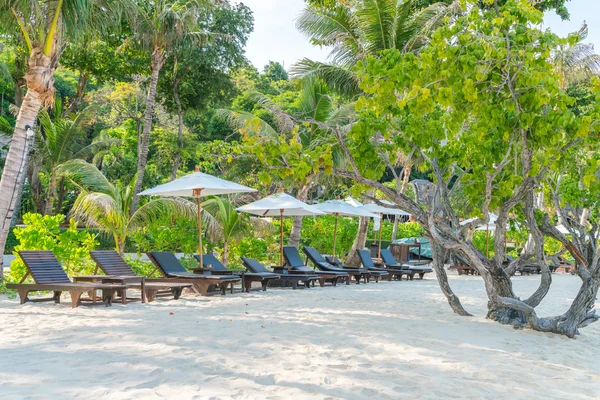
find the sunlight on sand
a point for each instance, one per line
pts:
(388, 340)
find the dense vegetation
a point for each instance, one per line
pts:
(451, 109)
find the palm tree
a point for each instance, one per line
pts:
(229, 224)
(60, 140)
(575, 61)
(316, 112)
(355, 29)
(159, 27)
(43, 28)
(107, 206)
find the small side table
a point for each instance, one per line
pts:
(120, 280)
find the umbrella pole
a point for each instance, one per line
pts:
(380, 232)
(337, 215)
(281, 239)
(197, 194)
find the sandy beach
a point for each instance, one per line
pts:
(391, 340)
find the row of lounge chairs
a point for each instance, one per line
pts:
(118, 276)
(554, 263)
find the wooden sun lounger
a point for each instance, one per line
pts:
(112, 264)
(212, 266)
(390, 262)
(317, 259)
(292, 256)
(265, 276)
(49, 276)
(367, 262)
(174, 272)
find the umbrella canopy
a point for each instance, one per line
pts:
(282, 205)
(561, 228)
(352, 201)
(377, 209)
(188, 185)
(196, 185)
(339, 207)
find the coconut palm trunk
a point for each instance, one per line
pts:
(40, 85)
(156, 64)
(52, 186)
(177, 159)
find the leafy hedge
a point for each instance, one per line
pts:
(105, 242)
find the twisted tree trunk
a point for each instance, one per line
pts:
(40, 85)
(359, 243)
(156, 64)
(297, 224)
(439, 255)
(405, 179)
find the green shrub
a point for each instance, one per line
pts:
(71, 246)
(176, 234)
(141, 268)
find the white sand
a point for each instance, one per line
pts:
(383, 341)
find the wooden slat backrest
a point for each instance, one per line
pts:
(254, 265)
(111, 263)
(166, 262)
(44, 267)
(365, 258)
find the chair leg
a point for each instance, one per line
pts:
(264, 285)
(202, 288)
(108, 296)
(75, 296)
(422, 275)
(247, 284)
(123, 296)
(57, 297)
(322, 282)
(23, 295)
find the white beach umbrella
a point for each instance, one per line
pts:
(381, 210)
(339, 207)
(352, 201)
(197, 185)
(561, 228)
(282, 205)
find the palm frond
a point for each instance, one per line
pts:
(337, 27)
(155, 209)
(244, 121)
(87, 176)
(339, 79)
(100, 210)
(377, 21)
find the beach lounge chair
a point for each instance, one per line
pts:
(258, 269)
(367, 262)
(376, 273)
(390, 262)
(173, 271)
(112, 264)
(294, 260)
(48, 274)
(463, 268)
(212, 266)
(317, 259)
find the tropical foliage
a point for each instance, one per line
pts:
(451, 109)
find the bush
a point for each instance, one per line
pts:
(176, 234)
(71, 246)
(141, 268)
